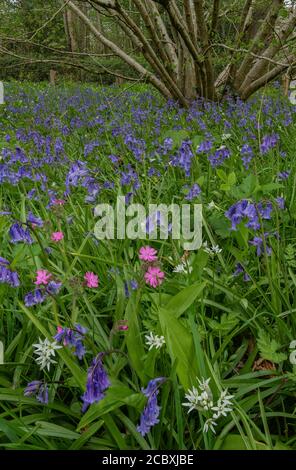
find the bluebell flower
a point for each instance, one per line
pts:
(38, 389)
(247, 155)
(205, 146)
(283, 175)
(32, 194)
(183, 158)
(251, 213)
(113, 158)
(6, 275)
(194, 191)
(14, 279)
(259, 244)
(89, 147)
(268, 142)
(77, 172)
(34, 298)
(239, 269)
(5, 213)
(53, 287)
(236, 213)
(34, 220)
(265, 212)
(150, 414)
(218, 158)
(19, 234)
(280, 202)
(137, 146)
(246, 209)
(73, 338)
(133, 284)
(97, 382)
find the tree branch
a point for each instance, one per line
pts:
(120, 53)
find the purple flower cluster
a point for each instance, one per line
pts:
(97, 382)
(261, 246)
(193, 192)
(247, 155)
(239, 269)
(72, 338)
(39, 295)
(38, 389)
(6, 275)
(19, 234)
(34, 220)
(150, 415)
(268, 143)
(218, 158)
(245, 209)
(283, 175)
(183, 158)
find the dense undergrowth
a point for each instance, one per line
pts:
(220, 320)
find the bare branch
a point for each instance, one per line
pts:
(120, 53)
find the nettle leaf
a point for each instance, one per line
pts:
(246, 188)
(228, 322)
(268, 348)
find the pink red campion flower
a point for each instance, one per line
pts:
(154, 276)
(121, 325)
(42, 277)
(58, 202)
(147, 253)
(57, 236)
(91, 279)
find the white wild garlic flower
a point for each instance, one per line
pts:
(214, 250)
(183, 268)
(201, 398)
(45, 350)
(154, 341)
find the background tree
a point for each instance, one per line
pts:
(185, 48)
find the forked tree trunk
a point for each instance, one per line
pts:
(176, 39)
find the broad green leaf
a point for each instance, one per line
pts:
(116, 396)
(133, 336)
(184, 299)
(179, 343)
(79, 375)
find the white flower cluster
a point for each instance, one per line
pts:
(201, 399)
(214, 250)
(45, 350)
(183, 268)
(154, 341)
